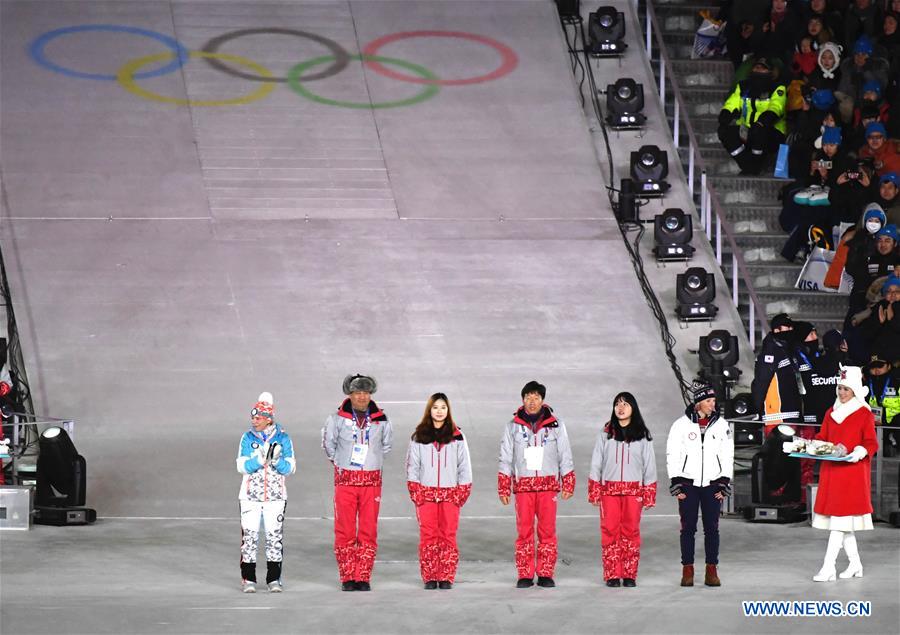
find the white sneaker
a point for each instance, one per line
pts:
(248, 586)
(275, 586)
(825, 574)
(855, 570)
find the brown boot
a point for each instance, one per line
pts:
(687, 575)
(712, 576)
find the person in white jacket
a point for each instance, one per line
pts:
(700, 462)
(621, 483)
(439, 479)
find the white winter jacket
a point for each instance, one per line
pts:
(700, 458)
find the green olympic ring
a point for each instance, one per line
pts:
(297, 86)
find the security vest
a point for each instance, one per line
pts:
(887, 399)
(752, 108)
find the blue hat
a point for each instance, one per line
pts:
(892, 281)
(831, 134)
(890, 177)
(863, 45)
(890, 231)
(823, 99)
(872, 85)
(874, 127)
(873, 210)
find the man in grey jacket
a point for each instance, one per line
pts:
(535, 464)
(356, 439)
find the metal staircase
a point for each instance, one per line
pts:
(750, 204)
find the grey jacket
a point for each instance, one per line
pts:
(557, 455)
(433, 465)
(341, 432)
(623, 462)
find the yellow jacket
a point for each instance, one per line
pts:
(751, 109)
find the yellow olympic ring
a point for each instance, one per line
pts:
(125, 77)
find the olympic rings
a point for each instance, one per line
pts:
(126, 78)
(340, 54)
(128, 75)
(509, 59)
(39, 44)
(428, 92)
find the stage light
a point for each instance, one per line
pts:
(61, 480)
(672, 233)
(624, 103)
(606, 32)
(695, 291)
(649, 168)
(718, 360)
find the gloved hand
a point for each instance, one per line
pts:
(726, 117)
(677, 485)
(723, 485)
(858, 454)
(792, 446)
(274, 453)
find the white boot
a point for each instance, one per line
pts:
(855, 570)
(828, 572)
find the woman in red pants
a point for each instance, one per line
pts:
(439, 478)
(622, 482)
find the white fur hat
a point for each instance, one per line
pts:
(851, 377)
(836, 51)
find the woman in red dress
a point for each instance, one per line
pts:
(844, 500)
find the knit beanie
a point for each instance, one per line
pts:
(831, 134)
(265, 407)
(874, 211)
(874, 128)
(700, 391)
(892, 281)
(889, 230)
(822, 99)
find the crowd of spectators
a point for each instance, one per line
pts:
(822, 77)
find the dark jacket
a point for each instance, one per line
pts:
(777, 382)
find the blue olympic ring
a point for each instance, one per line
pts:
(37, 50)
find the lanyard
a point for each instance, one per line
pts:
(356, 427)
(887, 384)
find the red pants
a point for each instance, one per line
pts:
(540, 505)
(355, 546)
(620, 535)
(438, 555)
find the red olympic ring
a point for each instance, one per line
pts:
(509, 59)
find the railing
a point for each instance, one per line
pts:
(711, 213)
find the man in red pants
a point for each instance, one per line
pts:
(535, 464)
(355, 439)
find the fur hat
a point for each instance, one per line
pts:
(265, 407)
(359, 383)
(836, 51)
(851, 377)
(700, 391)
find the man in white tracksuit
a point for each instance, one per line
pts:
(700, 462)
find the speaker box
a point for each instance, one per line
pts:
(59, 516)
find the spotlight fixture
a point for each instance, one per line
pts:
(695, 291)
(61, 479)
(672, 233)
(624, 103)
(718, 361)
(649, 168)
(606, 32)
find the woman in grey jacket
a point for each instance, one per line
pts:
(439, 478)
(621, 483)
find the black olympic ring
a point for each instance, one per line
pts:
(341, 55)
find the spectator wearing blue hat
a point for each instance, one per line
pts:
(803, 203)
(855, 72)
(862, 19)
(889, 196)
(878, 259)
(881, 329)
(881, 150)
(872, 100)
